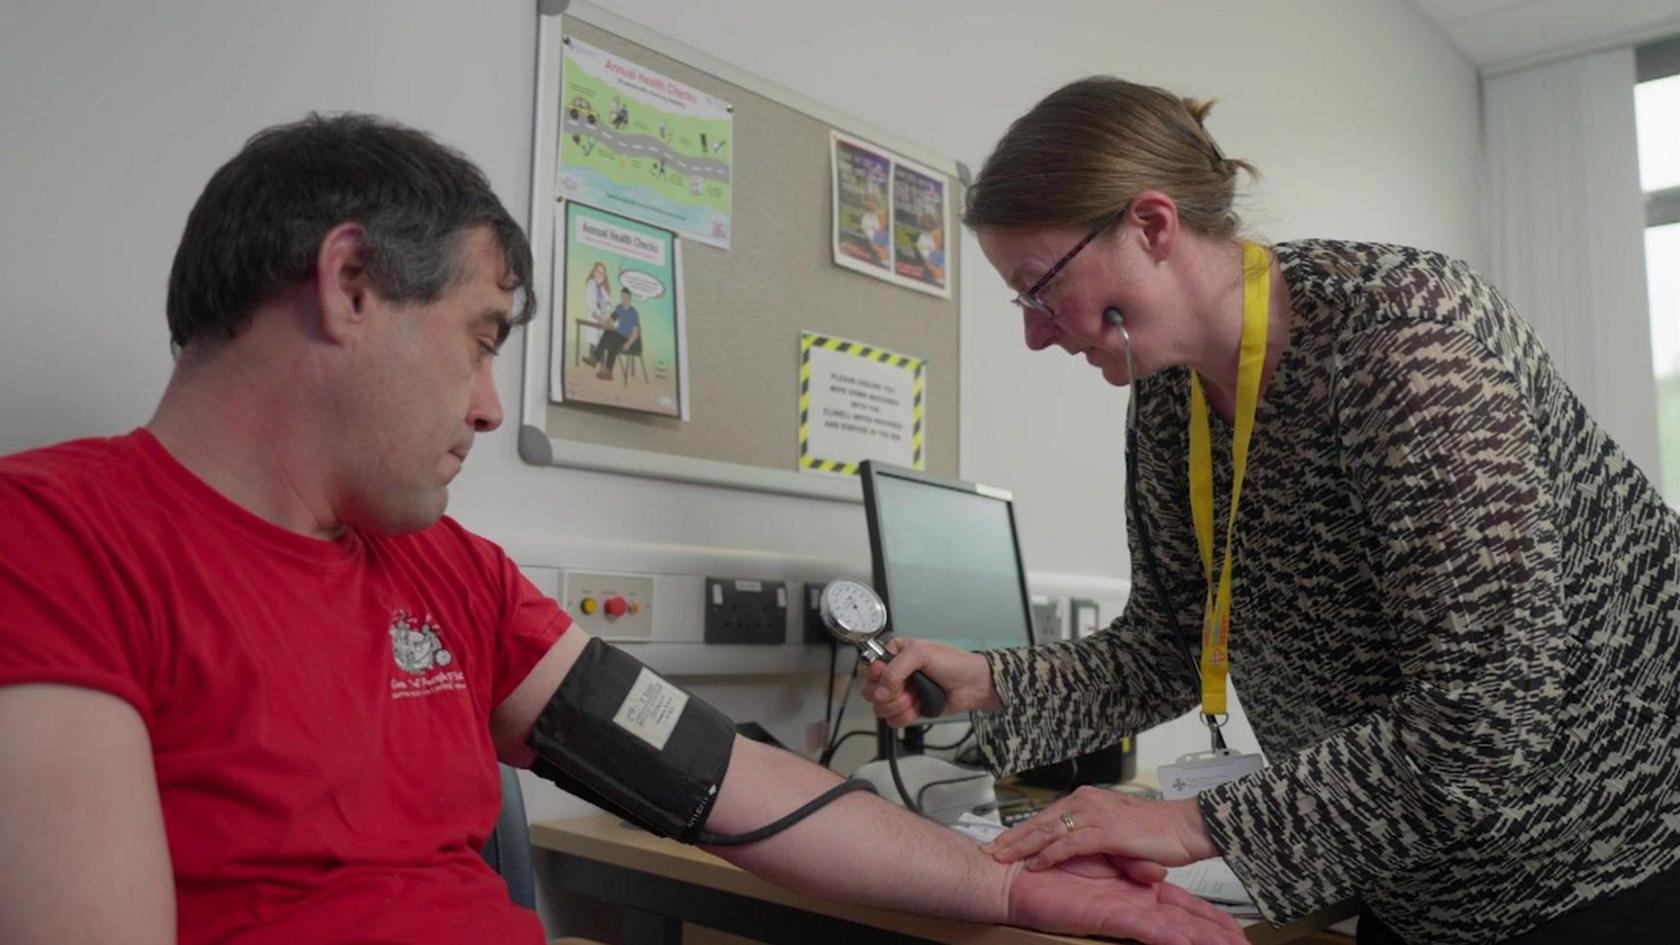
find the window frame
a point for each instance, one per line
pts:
(1654, 61)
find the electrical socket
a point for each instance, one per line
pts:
(746, 611)
(1084, 618)
(1047, 619)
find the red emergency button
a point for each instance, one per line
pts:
(615, 606)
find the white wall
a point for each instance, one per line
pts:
(113, 114)
(1361, 115)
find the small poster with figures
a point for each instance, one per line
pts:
(889, 216)
(644, 145)
(919, 229)
(862, 206)
(620, 337)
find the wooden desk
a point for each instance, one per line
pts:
(661, 884)
(577, 335)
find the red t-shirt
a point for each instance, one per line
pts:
(318, 710)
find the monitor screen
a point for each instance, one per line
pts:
(946, 559)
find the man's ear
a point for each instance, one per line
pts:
(342, 288)
(1156, 218)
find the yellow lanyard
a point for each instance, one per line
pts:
(1216, 611)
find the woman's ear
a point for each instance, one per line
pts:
(1155, 217)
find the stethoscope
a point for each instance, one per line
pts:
(1114, 319)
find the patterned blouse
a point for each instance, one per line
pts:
(1454, 621)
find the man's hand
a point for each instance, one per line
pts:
(1090, 896)
(1104, 822)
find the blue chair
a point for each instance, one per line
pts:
(508, 851)
(629, 358)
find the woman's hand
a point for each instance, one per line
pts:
(965, 677)
(1091, 821)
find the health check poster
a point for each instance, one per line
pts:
(645, 145)
(620, 329)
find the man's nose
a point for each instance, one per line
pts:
(485, 411)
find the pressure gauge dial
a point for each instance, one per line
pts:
(853, 611)
(855, 614)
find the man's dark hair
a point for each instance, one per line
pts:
(258, 226)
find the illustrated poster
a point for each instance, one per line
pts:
(919, 209)
(862, 206)
(890, 216)
(644, 145)
(620, 332)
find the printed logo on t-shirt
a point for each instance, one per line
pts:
(418, 650)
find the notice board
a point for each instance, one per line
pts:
(748, 309)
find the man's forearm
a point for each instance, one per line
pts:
(859, 848)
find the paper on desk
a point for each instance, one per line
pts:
(1212, 880)
(984, 829)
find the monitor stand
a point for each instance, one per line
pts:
(969, 788)
(910, 743)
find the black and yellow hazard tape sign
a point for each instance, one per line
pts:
(867, 408)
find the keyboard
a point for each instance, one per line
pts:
(1015, 815)
(1017, 811)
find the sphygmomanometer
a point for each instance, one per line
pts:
(624, 738)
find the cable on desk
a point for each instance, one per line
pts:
(921, 791)
(842, 740)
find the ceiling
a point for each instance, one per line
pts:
(1497, 34)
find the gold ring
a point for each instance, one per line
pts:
(1067, 821)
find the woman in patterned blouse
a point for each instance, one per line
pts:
(1454, 608)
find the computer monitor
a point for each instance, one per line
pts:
(946, 558)
(948, 565)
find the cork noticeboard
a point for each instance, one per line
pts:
(747, 307)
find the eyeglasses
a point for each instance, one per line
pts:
(1031, 300)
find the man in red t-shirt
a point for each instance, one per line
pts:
(254, 684)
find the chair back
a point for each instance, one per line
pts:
(508, 851)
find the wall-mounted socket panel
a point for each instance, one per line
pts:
(739, 610)
(608, 605)
(677, 645)
(1084, 617)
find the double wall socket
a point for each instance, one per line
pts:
(743, 611)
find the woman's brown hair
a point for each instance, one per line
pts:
(1090, 146)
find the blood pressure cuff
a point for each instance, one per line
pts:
(625, 739)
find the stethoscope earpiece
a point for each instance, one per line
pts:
(1113, 318)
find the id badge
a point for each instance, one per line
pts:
(1196, 772)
